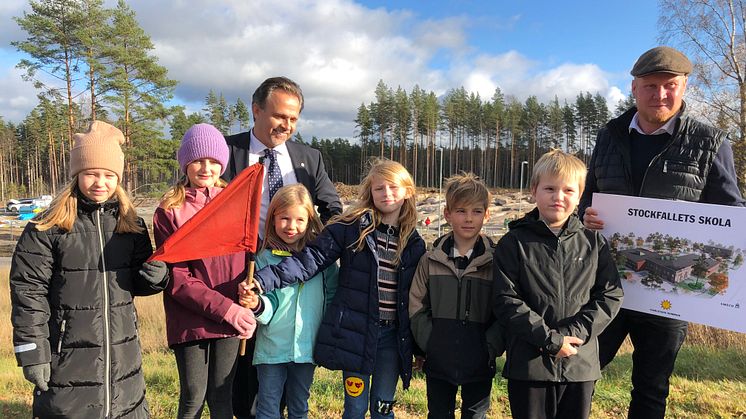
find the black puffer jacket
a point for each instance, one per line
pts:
(547, 287)
(72, 296)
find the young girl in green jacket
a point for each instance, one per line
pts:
(289, 317)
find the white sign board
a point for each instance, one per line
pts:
(677, 259)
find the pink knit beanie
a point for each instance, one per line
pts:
(98, 148)
(203, 141)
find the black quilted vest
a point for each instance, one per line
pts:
(678, 172)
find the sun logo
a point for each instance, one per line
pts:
(666, 305)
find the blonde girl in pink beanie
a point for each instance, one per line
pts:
(74, 274)
(203, 320)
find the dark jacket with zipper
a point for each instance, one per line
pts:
(72, 306)
(547, 287)
(451, 314)
(348, 335)
(696, 165)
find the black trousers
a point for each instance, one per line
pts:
(550, 400)
(441, 399)
(206, 369)
(656, 342)
(245, 383)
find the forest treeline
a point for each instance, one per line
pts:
(90, 62)
(434, 136)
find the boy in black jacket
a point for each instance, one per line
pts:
(556, 289)
(450, 306)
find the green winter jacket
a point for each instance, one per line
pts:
(292, 316)
(451, 315)
(547, 287)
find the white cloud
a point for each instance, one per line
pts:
(17, 97)
(337, 50)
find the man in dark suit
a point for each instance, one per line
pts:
(276, 107)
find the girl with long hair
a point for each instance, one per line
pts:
(365, 330)
(74, 275)
(203, 320)
(290, 316)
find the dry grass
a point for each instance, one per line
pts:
(152, 321)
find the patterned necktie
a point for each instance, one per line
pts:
(274, 177)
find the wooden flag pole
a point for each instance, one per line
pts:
(250, 278)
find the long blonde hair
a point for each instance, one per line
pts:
(389, 171)
(295, 195)
(175, 197)
(63, 211)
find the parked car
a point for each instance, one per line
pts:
(16, 204)
(41, 202)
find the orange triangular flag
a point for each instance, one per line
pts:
(227, 224)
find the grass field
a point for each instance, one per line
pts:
(709, 380)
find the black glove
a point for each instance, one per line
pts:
(38, 375)
(154, 271)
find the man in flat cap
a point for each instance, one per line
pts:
(656, 150)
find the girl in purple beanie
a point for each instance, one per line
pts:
(203, 320)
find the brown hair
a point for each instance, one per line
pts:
(466, 189)
(276, 83)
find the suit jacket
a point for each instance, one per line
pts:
(307, 164)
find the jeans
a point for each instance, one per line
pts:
(294, 378)
(441, 399)
(374, 391)
(206, 368)
(656, 342)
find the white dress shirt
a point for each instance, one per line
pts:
(256, 151)
(667, 128)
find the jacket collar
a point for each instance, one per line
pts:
(87, 206)
(201, 195)
(620, 125)
(442, 250)
(532, 222)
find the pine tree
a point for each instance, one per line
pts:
(92, 35)
(54, 47)
(364, 126)
(402, 123)
(241, 112)
(382, 111)
(138, 88)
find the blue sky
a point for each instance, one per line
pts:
(338, 50)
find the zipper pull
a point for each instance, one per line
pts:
(665, 166)
(62, 334)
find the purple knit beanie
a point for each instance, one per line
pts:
(201, 141)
